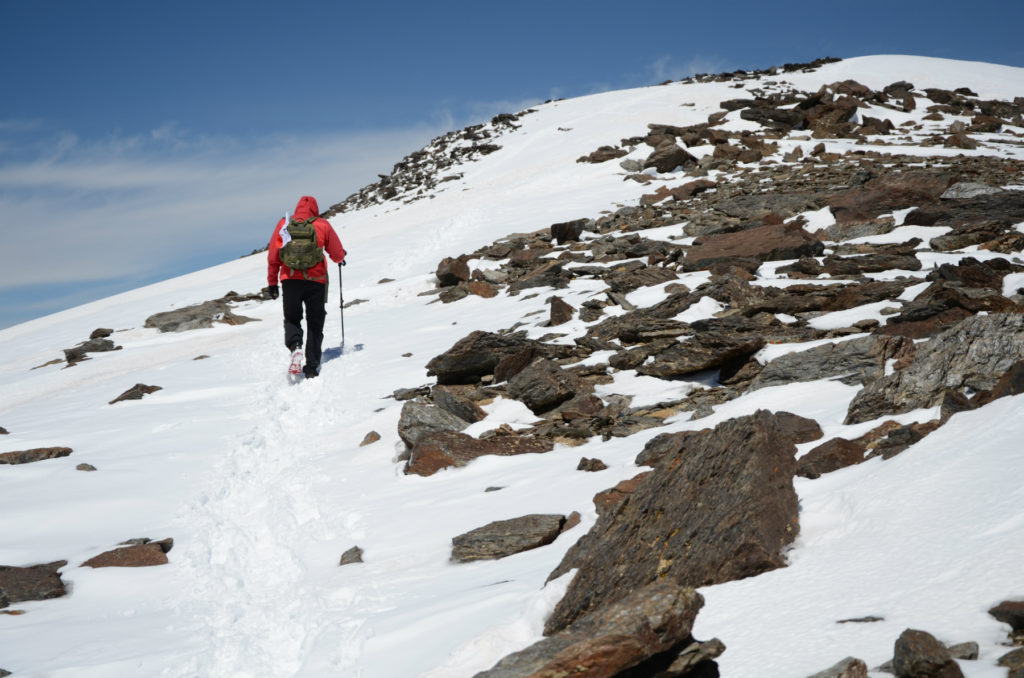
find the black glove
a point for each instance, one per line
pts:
(344, 263)
(272, 292)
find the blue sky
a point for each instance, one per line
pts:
(140, 140)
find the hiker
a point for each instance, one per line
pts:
(302, 269)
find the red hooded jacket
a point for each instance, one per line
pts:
(325, 238)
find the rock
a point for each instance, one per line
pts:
(85, 467)
(830, 456)
(567, 231)
(669, 156)
(968, 651)
(703, 351)
(370, 438)
(78, 353)
(650, 626)
(419, 418)
(733, 492)
(974, 354)
(798, 429)
(458, 400)
(889, 192)
(542, 385)
(143, 553)
(38, 582)
(859, 229)
(452, 271)
(101, 333)
(606, 500)
(1013, 660)
(899, 439)
(1010, 612)
(482, 288)
(764, 243)
(591, 465)
(3, 431)
(33, 455)
(860, 360)
(548, 274)
(603, 154)
(436, 451)
(851, 667)
(353, 555)
(964, 190)
(503, 538)
(667, 445)
(197, 316)
(561, 312)
(135, 393)
(476, 355)
(919, 655)
(783, 119)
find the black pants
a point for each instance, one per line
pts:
(313, 295)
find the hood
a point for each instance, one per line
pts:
(306, 208)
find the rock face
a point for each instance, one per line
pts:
(38, 582)
(639, 636)
(722, 511)
(974, 354)
(36, 454)
(138, 553)
(919, 655)
(506, 537)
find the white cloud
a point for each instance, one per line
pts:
(665, 68)
(128, 206)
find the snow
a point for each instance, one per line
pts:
(263, 485)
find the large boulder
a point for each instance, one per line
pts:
(918, 654)
(668, 156)
(503, 538)
(638, 636)
(889, 192)
(724, 510)
(476, 355)
(703, 351)
(420, 418)
(973, 354)
(860, 360)
(542, 385)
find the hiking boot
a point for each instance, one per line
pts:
(310, 372)
(296, 365)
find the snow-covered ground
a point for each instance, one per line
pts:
(263, 485)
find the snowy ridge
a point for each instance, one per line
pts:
(263, 485)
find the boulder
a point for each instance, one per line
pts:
(458, 400)
(603, 154)
(1010, 612)
(351, 556)
(919, 655)
(724, 510)
(503, 538)
(889, 192)
(703, 351)
(1014, 661)
(973, 354)
(420, 418)
(135, 393)
(451, 271)
(764, 243)
(567, 231)
(855, 361)
(668, 156)
(561, 312)
(33, 455)
(476, 355)
(831, 455)
(851, 667)
(640, 635)
(542, 385)
(96, 345)
(38, 582)
(138, 553)
(436, 451)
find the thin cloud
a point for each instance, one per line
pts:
(666, 68)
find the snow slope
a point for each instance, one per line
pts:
(263, 485)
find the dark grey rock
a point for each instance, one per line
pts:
(1014, 661)
(195, 317)
(85, 467)
(506, 537)
(973, 354)
(33, 455)
(78, 353)
(918, 654)
(968, 650)
(542, 385)
(419, 418)
(353, 555)
(136, 392)
(851, 667)
(638, 636)
(476, 355)
(1010, 612)
(860, 360)
(703, 351)
(38, 582)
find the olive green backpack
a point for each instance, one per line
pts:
(300, 251)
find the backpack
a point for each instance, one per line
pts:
(300, 251)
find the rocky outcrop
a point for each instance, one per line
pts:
(542, 385)
(722, 511)
(141, 552)
(641, 635)
(973, 354)
(38, 582)
(197, 316)
(503, 538)
(33, 455)
(830, 456)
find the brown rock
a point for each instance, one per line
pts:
(85, 467)
(452, 271)
(830, 456)
(613, 496)
(442, 450)
(919, 655)
(889, 192)
(503, 538)
(591, 465)
(667, 156)
(33, 455)
(351, 556)
(567, 231)
(723, 511)
(135, 393)
(764, 243)
(1010, 612)
(370, 438)
(144, 554)
(38, 582)
(561, 312)
(482, 289)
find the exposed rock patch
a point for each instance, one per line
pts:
(136, 393)
(33, 455)
(503, 538)
(38, 582)
(137, 553)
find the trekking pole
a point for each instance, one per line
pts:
(341, 305)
